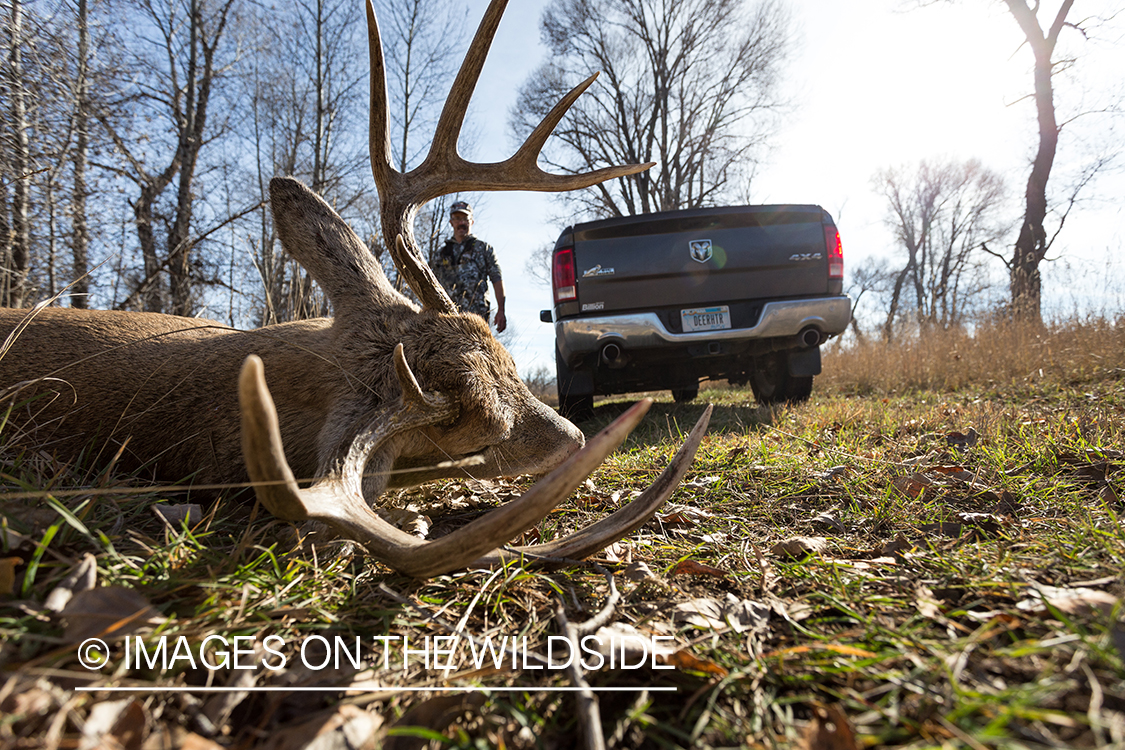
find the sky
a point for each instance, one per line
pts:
(874, 84)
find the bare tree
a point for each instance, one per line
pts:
(1032, 242)
(17, 256)
(181, 66)
(689, 84)
(80, 230)
(942, 214)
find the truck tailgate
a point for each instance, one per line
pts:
(701, 257)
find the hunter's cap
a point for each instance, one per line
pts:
(461, 207)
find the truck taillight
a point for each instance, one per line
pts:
(562, 275)
(835, 253)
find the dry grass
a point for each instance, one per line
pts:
(997, 355)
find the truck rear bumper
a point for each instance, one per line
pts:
(580, 336)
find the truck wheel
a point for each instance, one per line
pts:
(772, 383)
(684, 395)
(576, 408)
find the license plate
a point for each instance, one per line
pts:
(706, 319)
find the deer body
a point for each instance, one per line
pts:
(166, 387)
(344, 403)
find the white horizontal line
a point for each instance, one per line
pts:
(371, 689)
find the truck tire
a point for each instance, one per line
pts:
(573, 406)
(684, 395)
(576, 408)
(772, 383)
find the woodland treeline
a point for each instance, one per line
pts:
(138, 138)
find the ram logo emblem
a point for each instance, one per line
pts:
(700, 250)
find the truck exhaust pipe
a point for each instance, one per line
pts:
(811, 337)
(611, 355)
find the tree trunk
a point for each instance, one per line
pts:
(20, 256)
(80, 232)
(1031, 244)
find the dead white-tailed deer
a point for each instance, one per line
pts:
(379, 396)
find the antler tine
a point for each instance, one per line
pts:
(337, 499)
(443, 170)
(622, 522)
(379, 131)
(452, 117)
(421, 279)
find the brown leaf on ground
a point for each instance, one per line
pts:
(115, 724)
(693, 568)
(799, 547)
(1069, 601)
(435, 714)
(639, 571)
(685, 660)
(8, 567)
(736, 614)
(913, 485)
(957, 472)
(962, 439)
(345, 728)
(895, 546)
(829, 730)
(828, 520)
(107, 612)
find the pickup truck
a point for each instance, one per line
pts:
(661, 301)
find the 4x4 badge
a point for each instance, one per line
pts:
(700, 250)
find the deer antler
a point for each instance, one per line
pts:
(444, 171)
(337, 499)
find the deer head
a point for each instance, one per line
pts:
(338, 498)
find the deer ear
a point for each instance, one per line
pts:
(329, 250)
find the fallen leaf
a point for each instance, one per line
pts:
(84, 577)
(800, 547)
(1070, 601)
(743, 615)
(8, 567)
(114, 724)
(962, 439)
(829, 730)
(912, 485)
(739, 615)
(957, 472)
(828, 521)
(629, 644)
(11, 540)
(895, 546)
(640, 571)
(838, 648)
(926, 604)
(699, 613)
(685, 660)
(345, 728)
(107, 612)
(693, 568)
(834, 473)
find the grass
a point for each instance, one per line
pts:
(959, 585)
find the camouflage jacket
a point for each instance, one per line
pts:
(465, 270)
